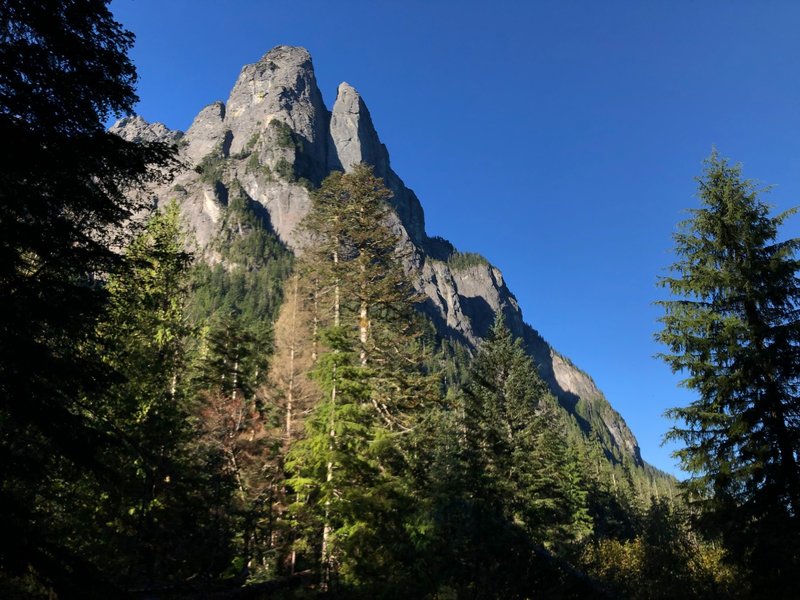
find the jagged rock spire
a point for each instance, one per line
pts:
(353, 135)
(206, 132)
(281, 86)
(281, 89)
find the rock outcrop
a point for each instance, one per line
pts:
(136, 129)
(206, 133)
(354, 140)
(274, 139)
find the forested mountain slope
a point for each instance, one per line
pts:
(274, 140)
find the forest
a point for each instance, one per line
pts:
(271, 424)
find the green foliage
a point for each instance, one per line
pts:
(510, 418)
(211, 167)
(284, 169)
(140, 448)
(167, 481)
(449, 359)
(439, 248)
(733, 331)
(284, 136)
(252, 163)
(465, 260)
(232, 358)
(251, 143)
(249, 282)
(306, 183)
(238, 426)
(350, 472)
(504, 496)
(667, 560)
(64, 72)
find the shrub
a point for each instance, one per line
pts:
(211, 168)
(284, 135)
(464, 260)
(284, 169)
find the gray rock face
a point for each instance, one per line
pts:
(464, 300)
(136, 129)
(354, 140)
(281, 86)
(275, 129)
(286, 203)
(353, 134)
(206, 133)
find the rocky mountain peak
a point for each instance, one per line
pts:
(207, 132)
(353, 140)
(353, 134)
(275, 139)
(286, 70)
(136, 129)
(282, 87)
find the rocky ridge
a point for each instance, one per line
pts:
(274, 139)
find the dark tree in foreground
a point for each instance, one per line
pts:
(63, 71)
(734, 331)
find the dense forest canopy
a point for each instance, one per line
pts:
(249, 421)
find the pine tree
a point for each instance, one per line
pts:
(241, 428)
(733, 330)
(349, 466)
(64, 71)
(502, 491)
(164, 482)
(518, 443)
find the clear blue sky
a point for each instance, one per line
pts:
(559, 139)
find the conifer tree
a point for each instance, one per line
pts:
(349, 466)
(165, 483)
(517, 443)
(733, 330)
(64, 71)
(503, 495)
(289, 384)
(240, 428)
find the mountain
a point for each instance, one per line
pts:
(274, 139)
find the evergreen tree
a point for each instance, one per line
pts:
(165, 483)
(349, 468)
(512, 427)
(503, 495)
(63, 71)
(238, 426)
(247, 284)
(734, 331)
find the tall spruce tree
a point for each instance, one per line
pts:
(513, 432)
(239, 427)
(502, 493)
(159, 530)
(734, 331)
(348, 468)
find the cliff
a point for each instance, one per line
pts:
(274, 140)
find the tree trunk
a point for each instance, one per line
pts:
(326, 529)
(363, 320)
(292, 342)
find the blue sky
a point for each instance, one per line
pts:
(560, 139)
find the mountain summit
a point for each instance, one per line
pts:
(274, 140)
